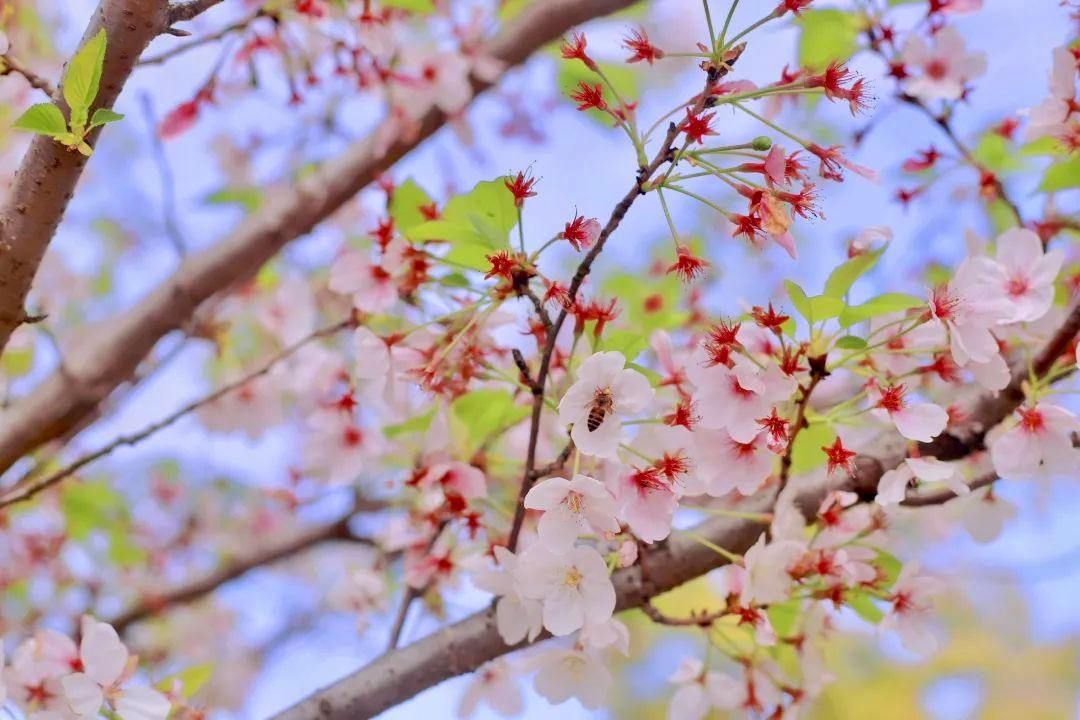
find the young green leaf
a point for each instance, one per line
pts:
(83, 78)
(1061, 176)
(851, 342)
(44, 119)
(799, 299)
(880, 305)
(103, 116)
(405, 205)
(828, 35)
(843, 277)
(482, 217)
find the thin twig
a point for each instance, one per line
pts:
(184, 11)
(941, 497)
(12, 65)
(644, 174)
(168, 180)
(411, 594)
(237, 26)
(28, 487)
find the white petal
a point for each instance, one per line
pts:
(921, 422)
(103, 655)
(547, 494)
(83, 695)
(142, 703)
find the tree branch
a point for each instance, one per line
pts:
(184, 594)
(28, 486)
(48, 173)
(12, 64)
(112, 352)
(184, 11)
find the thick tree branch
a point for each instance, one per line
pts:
(112, 353)
(48, 172)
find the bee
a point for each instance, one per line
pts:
(600, 406)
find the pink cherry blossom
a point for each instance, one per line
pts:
(1050, 117)
(572, 508)
(573, 587)
(337, 448)
(360, 591)
(493, 683)
(944, 68)
(968, 307)
(1039, 443)
(372, 288)
(916, 421)
(455, 478)
(911, 608)
(603, 377)
(984, 514)
(724, 464)
(1025, 274)
(252, 408)
(609, 634)
(698, 691)
(734, 398)
(767, 579)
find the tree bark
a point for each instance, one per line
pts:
(111, 354)
(48, 173)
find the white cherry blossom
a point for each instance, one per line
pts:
(603, 378)
(572, 508)
(725, 465)
(516, 617)
(493, 683)
(563, 673)
(574, 586)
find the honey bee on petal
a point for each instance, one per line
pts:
(602, 403)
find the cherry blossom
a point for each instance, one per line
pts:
(945, 68)
(563, 673)
(360, 591)
(370, 285)
(725, 464)
(915, 421)
(1049, 117)
(767, 579)
(573, 587)
(572, 508)
(337, 448)
(104, 661)
(700, 691)
(733, 398)
(1039, 443)
(984, 514)
(493, 683)
(1025, 274)
(968, 307)
(892, 488)
(516, 617)
(603, 378)
(909, 616)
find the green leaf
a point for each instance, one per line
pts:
(484, 217)
(89, 506)
(103, 116)
(823, 307)
(630, 343)
(994, 153)
(828, 35)
(44, 119)
(647, 303)
(478, 415)
(850, 342)
(83, 77)
(843, 277)
(405, 205)
(122, 549)
(17, 361)
(416, 424)
(799, 299)
(1046, 145)
(880, 305)
(863, 605)
(783, 616)
(191, 679)
(1063, 175)
(890, 566)
(421, 7)
(807, 453)
(248, 198)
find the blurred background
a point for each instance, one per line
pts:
(1011, 621)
